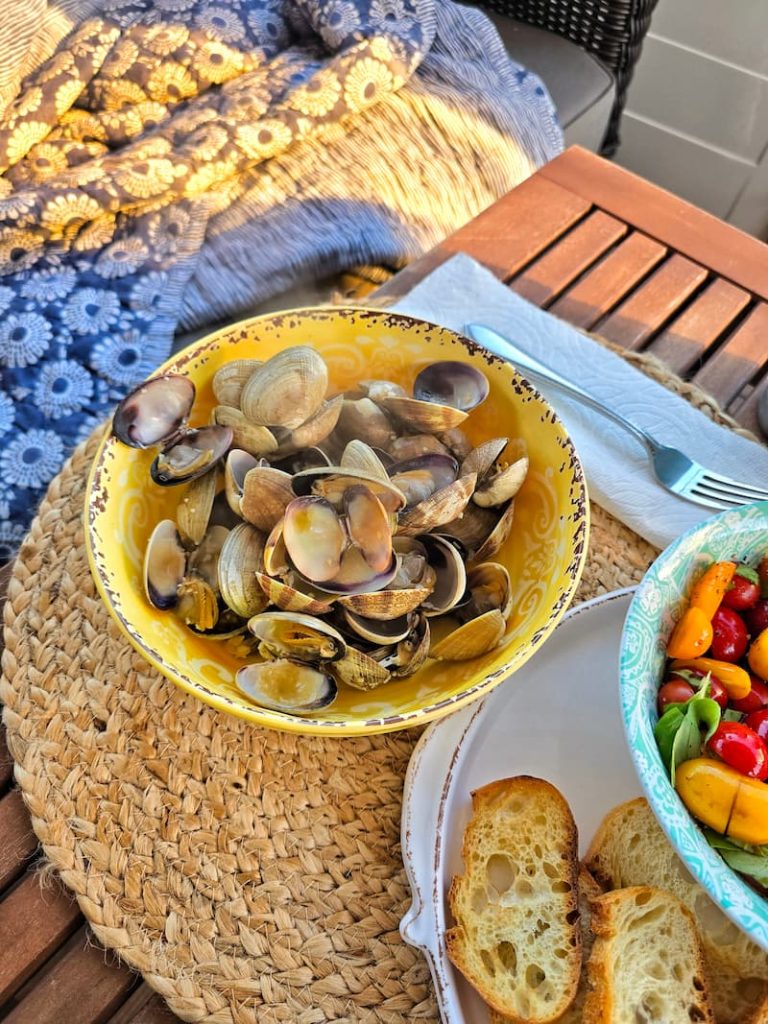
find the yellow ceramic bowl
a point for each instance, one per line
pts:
(544, 555)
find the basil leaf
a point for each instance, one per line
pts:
(730, 715)
(666, 728)
(689, 741)
(748, 573)
(747, 864)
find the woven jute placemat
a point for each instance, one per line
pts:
(249, 875)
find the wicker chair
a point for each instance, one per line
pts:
(611, 30)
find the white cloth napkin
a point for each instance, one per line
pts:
(619, 475)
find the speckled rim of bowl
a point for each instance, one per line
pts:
(579, 524)
(656, 606)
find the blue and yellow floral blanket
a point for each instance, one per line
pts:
(169, 163)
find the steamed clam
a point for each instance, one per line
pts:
(341, 529)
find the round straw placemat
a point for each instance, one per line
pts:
(248, 875)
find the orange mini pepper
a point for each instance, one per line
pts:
(757, 655)
(691, 636)
(734, 678)
(710, 588)
(724, 799)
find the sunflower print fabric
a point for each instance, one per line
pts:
(173, 161)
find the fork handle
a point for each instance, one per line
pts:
(504, 348)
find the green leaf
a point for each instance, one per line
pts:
(721, 842)
(748, 573)
(701, 712)
(747, 864)
(666, 728)
(730, 715)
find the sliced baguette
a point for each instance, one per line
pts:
(630, 848)
(646, 965)
(517, 938)
(588, 890)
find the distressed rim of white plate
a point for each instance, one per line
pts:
(439, 749)
(658, 602)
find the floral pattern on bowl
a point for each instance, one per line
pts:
(661, 598)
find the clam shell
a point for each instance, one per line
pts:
(195, 453)
(440, 508)
(355, 576)
(237, 466)
(457, 442)
(420, 477)
(497, 536)
(314, 537)
(298, 636)
(198, 605)
(239, 561)
(379, 631)
(287, 390)
(411, 652)
(452, 383)
(424, 417)
(474, 638)
(330, 482)
(502, 486)
(266, 494)
(230, 379)
(275, 555)
(155, 412)
(292, 596)
(376, 389)
(204, 560)
(413, 445)
(285, 685)
(489, 587)
(250, 437)
(309, 458)
(385, 604)
(194, 510)
(482, 459)
(359, 671)
(315, 429)
(450, 575)
(472, 527)
(360, 457)
(165, 562)
(361, 419)
(368, 526)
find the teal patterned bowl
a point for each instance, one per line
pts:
(661, 598)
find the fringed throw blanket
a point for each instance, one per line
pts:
(168, 163)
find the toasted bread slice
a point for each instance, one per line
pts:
(517, 937)
(630, 848)
(646, 963)
(588, 890)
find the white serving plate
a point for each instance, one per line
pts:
(558, 719)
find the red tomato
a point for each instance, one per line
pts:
(758, 721)
(674, 691)
(757, 618)
(741, 594)
(756, 699)
(741, 748)
(729, 635)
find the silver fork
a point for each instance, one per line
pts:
(672, 468)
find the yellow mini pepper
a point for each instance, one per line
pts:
(734, 678)
(758, 655)
(724, 799)
(710, 589)
(691, 636)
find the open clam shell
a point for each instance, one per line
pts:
(497, 536)
(194, 511)
(379, 631)
(499, 487)
(197, 604)
(250, 437)
(361, 419)
(360, 457)
(410, 446)
(197, 452)
(368, 526)
(330, 482)
(410, 653)
(424, 417)
(474, 638)
(297, 636)
(451, 383)
(489, 588)
(457, 442)
(239, 561)
(285, 685)
(359, 671)
(450, 574)
(482, 459)
(204, 560)
(355, 576)
(314, 430)
(275, 555)
(292, 594)
(420, 477)
(165, 563)
(314, 537)
(267, 493)
(155, 412)
(439, 508)
(230, 379)
(238, 464)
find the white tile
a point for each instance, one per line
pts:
(734, 31)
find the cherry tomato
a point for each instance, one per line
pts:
(757, 618)
(741, 748)
(756, 699)
(741, 594)
(696, 678)
(674, 691)
(758, 721)
(729, 635)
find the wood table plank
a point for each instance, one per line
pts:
(705, 239)
(154, 1012)
(17, 840)
(544, 279)
(33, 923)
(738, 359)
(614, 276)
(688, 338)
(84, 986)
(653, 303)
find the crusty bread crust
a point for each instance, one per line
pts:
(519, 944)
(646, 958)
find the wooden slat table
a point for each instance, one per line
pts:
(600, 248)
